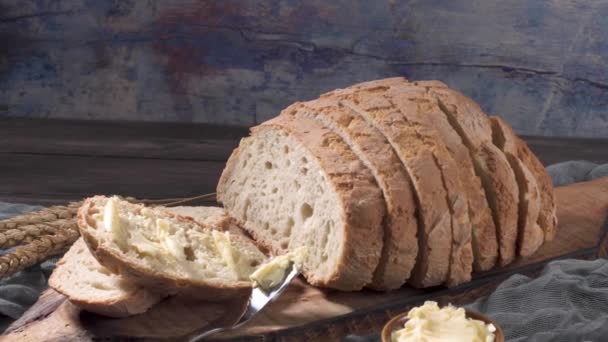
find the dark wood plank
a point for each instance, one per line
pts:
(551, 150)
(119, 139)
(51, 161)
(73, 177)
(199, 141)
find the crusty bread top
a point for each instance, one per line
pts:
(421, 110)
(434, 234)
(484, 240)
(547, 218)
(498, 179)
(530, 234)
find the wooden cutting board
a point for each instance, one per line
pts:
(582, 211)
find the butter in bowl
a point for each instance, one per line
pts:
(432, 323)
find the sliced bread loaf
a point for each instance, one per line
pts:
(531, 235)
(491, 164)
(167, 253)
(418, 111)
(434, 223)
(400, 224)
(484, 242)
(294, 183)
(80, 277)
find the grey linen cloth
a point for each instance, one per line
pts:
(20, 291)
(568, 302)
(569, 296)
(576, 171)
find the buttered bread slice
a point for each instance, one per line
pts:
(165, 252)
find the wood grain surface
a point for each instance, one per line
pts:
(539, 64)
(48, 161)
(305, 311)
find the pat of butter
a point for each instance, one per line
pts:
(224, 248)
(429, 323)
(169, 240)
(112, 223)
(147, 212)
(143, 245)
(111, 220)
(272, 273)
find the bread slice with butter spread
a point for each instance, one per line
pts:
(168, 253)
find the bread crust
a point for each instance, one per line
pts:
(480, 215)
(505, 198)
(434, 234)
(370, 86)
(136, 303)
(131, 302)
(154, 280)
(484, 241)
(421, 111)
(530, 234)
(547, 218)
(361, 202)
(498, 179)
(400, 224)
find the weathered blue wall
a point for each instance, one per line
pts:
(543, 65)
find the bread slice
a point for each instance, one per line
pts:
(547, 218)
(434, 219)
(484, 242)
(167, 253)
(491, 165)
(418, 111)
(400, 245)
(80, 277)
(530, 235)
(294, 183)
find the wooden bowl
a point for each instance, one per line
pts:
(398, 321)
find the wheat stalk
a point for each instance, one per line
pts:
(42, 234)
(36, 251)
(41, 216)
(29, 232)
